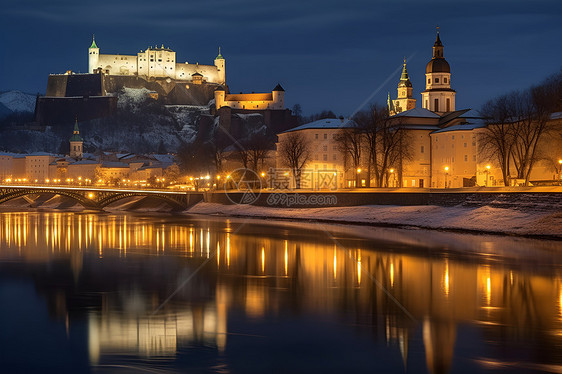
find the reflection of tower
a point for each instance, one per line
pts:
(438, 95)
(439, 341)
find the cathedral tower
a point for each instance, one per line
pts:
(76, 143)
(94, 55)
(438, 95)
(405, 99)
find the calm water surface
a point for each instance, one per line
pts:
(110, 293)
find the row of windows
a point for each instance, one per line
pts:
(325, 136)
(325, 157)
(445, 160)
(436, 80)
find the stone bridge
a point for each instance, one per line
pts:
(99, 198)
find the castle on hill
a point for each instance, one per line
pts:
(156, 62)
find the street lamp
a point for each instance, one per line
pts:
(446, 174)
(487, 174)
(392, 173)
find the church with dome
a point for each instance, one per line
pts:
(438, 95)
(444, 150)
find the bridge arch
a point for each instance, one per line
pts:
(175, 204)
(15, 193)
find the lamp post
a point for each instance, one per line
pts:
(487, 174)
(446, 174)
(358, 178)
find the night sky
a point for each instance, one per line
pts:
(326, 54)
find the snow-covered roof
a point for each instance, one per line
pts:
(327, 123)
(112, 164)
(463, 127)
(85, 162)
(164, 158)
(556, 115)
(419, 127)
(418, 113)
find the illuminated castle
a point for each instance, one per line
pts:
(156, 62)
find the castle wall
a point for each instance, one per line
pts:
(56, 85)
(64, 110)
(209, 72)
(118, 64)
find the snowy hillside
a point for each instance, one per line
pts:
(17, 101)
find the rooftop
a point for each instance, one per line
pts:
(327, 123)
(418, 113)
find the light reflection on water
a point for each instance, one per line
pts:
(411, 309)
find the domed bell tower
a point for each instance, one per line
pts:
(438, 95)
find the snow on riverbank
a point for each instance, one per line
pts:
(485, 219)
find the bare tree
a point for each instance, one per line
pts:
(294, 152)
(516, 124)
(350, 142)
(497, 139)
(388, 144)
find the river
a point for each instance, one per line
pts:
(129, 293)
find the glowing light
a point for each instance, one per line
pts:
(391, 275)
(392, 170)
(446, 168)
(90, 195)
(358, 170)
(488, 167)
(262, 174)
(335, 263)
(286, 257)
(359, 267)
(446, 280)
(262, 259)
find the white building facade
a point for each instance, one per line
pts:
(155, 62)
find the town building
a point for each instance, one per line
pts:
(442, 148)
(326, 167)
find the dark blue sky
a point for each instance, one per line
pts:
(326, 54)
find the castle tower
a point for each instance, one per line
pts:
(220, 95)
(94, 56)
(76, 143)
(405, 99)
(220, 64)
(278, 95)
(438, 95)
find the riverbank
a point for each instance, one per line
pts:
(484, 219)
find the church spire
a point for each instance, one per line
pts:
(219, 57)
(390, 105)
(404, 78)
(438, 46)
(93, 41)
